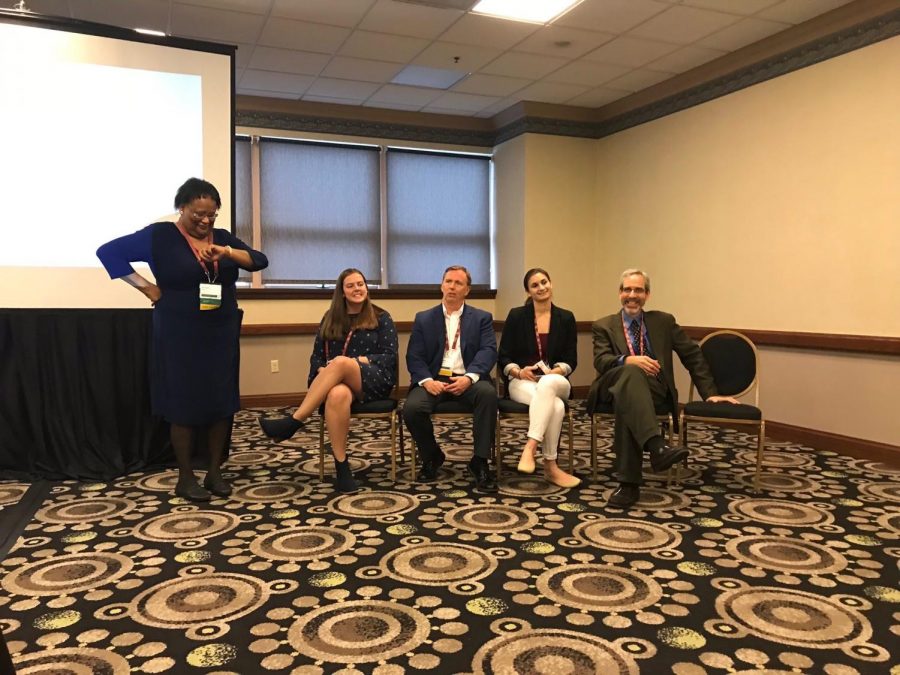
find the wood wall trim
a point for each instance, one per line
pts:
(376, 293)
(844, 445)
(832, 342)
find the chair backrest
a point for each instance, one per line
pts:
(734, 361)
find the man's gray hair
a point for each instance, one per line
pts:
(633, 270)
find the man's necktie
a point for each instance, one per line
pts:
(635, 330)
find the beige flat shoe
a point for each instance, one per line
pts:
(526, 463)
(564, 481)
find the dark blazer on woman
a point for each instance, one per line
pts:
(517, 343)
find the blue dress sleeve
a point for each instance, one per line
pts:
(258, 258)
(118, 254)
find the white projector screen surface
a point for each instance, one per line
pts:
(100, 132)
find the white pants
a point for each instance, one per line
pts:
(546, 409)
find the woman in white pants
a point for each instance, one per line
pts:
(538, 351)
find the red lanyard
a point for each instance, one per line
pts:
(537, 338)
(447, 346)
(628, 337)
(197, 255)
(344, 351)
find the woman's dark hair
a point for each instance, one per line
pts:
(530, 273)
(196, 188)
(337, 322)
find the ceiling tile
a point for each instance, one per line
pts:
(264, 80)
(630, 51)
(491, 84)
(331, 88)
(216, 25)
(288, 61)
(389, 16)
(611, 16)
(798, 11)
(381, 46)
(551, 92)
(548, 40)
(407, 96)
(478, 30)
(310, 37)
(587, 73)
(742, 7)
(152, 14)
(250, 6)
(742, 33)
(516, 64)
(684, 59)
(469, 103)
(637, 80)
(597, 97)
(346, 13)
(683, 25)
(361, 69)
(445, 55)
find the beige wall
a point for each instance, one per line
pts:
(775, 207)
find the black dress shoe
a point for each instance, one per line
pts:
(624, 496)
(666, 456)
(430, 467)
(279, 428)
(218, 486)
(480, 471)
(192, 492)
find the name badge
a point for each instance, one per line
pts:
(445, 372)
(210, 296)
(544, 368)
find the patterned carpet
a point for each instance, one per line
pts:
(288, 577)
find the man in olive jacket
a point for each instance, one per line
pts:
(635, 374)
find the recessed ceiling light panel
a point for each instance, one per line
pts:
(532, 11)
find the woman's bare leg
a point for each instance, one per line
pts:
(341, 370)
(337, 419)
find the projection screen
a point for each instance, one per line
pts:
(101, 125)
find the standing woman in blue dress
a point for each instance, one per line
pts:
(195, 352)
(354, 358)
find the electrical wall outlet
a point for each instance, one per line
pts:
(273, 365)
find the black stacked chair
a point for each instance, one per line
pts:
(734, 363)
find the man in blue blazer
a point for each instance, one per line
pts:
(451, 353)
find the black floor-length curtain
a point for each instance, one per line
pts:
(75, 394)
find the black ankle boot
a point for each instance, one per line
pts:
(280, 428)
(344, 481)
(190, 489)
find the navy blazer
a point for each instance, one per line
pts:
(478, 343)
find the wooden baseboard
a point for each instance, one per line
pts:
(844, 445)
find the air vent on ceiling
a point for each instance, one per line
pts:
(464, 5)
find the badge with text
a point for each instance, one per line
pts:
(210, 296)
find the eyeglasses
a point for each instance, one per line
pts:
(204, 216)
(631, 289)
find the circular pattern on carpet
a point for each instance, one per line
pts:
(438, 564)
(783, 554)
(85, 510)
(271, 491)
(781, 512)
(374, 504)
(182, 525)
(553, 651)
(67, 574)
(599, 588)
(73, 660)
(359, 631)
(627, 535)
(491, 518)
(303, 543)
